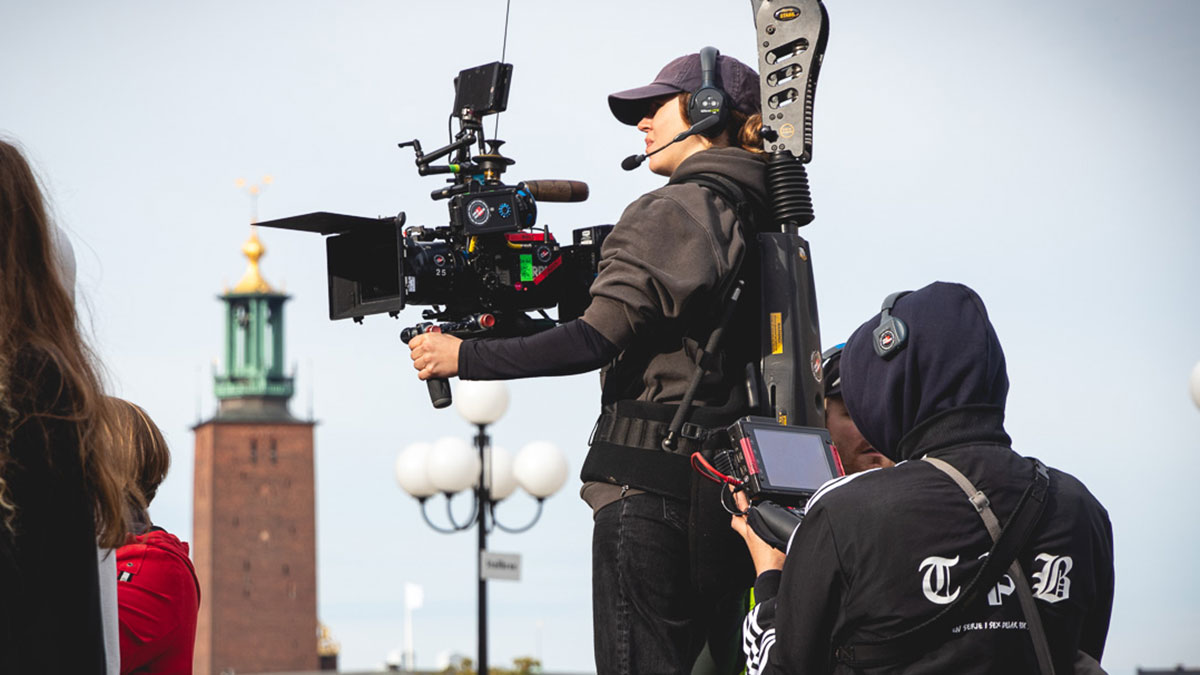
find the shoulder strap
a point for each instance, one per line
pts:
(1007, 543)
(1032, 617)
(744, 206)
(735, 196)
(745, 209)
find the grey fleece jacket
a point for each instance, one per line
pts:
(663, 273)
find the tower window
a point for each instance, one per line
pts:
(286, 570)
(253, 451)
(274, 452)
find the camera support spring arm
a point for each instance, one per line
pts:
(792, 36)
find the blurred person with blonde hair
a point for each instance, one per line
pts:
(158, 595)
(60, 489)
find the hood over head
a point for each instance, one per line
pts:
(951, 359)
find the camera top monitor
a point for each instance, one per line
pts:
(483, 89)
(785, 461)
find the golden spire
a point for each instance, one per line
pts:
(252, 281)
(326, 645)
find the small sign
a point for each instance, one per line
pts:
(776, 332)
(506, 566)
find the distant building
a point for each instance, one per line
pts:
(254, 527)
(1178, 670)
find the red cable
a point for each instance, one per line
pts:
(708, 471)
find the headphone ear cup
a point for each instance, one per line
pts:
(705, 103)
(890, 336)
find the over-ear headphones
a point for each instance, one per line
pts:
(892, 334)
(709, 100)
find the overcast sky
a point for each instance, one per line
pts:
(1046, 154)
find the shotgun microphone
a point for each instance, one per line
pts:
(634, 161)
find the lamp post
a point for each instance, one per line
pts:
(1195, 384)
(449, 466)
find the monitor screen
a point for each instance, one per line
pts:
(792, 458)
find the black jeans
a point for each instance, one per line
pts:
(647, 618)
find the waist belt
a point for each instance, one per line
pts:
(632, 432)
(643, 425)
(626, 446)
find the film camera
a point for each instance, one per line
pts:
(483, 272)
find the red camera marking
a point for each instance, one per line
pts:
(748, 451)
(546, 272)
(520, 237)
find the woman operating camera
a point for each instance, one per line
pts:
(664, 559)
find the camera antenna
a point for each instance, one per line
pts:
(503, 52)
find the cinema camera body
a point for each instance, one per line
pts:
(482, 273)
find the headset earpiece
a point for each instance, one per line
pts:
(709, 100)
(892, 334)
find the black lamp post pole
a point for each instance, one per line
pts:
(482, 501)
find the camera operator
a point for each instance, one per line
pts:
(882, 553)
(663, 555)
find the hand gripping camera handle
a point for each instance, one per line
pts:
(439, 392)
(439, 387)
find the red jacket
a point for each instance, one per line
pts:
(158, 598)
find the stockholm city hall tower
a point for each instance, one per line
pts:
(254, 528)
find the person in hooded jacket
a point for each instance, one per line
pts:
(663, 558)
(158, 594)
(881, 552)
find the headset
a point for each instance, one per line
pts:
(892, 334)
(710, 99)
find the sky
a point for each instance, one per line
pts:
(1045, 154)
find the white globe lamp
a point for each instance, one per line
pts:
(453, 465)
(412, 470)
(541, 468)
(498, 474)
(481, 402)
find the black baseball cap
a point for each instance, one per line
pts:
(738, 80)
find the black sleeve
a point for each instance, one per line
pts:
(1094, 632)
(567, 349)
(810, 594)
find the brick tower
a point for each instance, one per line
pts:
(254, 529)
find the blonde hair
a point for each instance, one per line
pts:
(40, 319)
(142, 451)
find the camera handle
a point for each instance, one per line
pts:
(439, 387)
(439, 392)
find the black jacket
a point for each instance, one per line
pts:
(882, 551)
(49, 584)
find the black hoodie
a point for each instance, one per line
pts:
(882, 551)
(952, 360)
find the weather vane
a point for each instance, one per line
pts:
(254, 190)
